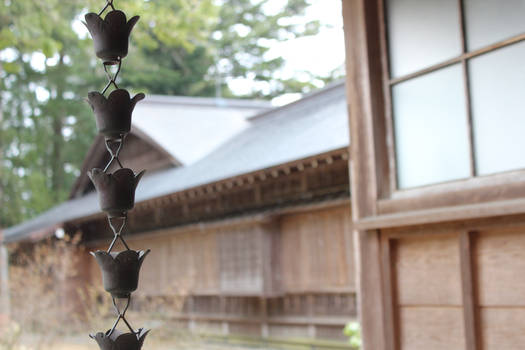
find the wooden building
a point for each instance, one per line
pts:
(253, 229)
(436, 93)
(261, 224)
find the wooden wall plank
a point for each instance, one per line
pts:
(499, 257)
(432, 328)
(315, 250)
(428, 271)
(502, 327)
(499, 260)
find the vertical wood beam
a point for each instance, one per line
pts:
(191, 311)
(224, 324)
(263, 315)
(312, 329)
(391, 331)
(469, 298)
(369, 158)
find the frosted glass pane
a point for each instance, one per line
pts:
(431, 128)
(497, 84)
(422, 33)
(490, 21)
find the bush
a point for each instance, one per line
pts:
(353, 331)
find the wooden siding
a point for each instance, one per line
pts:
(499, 260)
(240, 260)
(250, 277)
(180, 264)
(428, 292)
(317, 251)
(456, 286)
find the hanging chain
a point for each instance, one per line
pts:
(114, 145)
(121, 316)
(112, 79)
(117, 231)
(109, 3)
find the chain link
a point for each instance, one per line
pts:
(112, 79)
(109, 3)
(114, 152)
(114, 147)
(117, 232)
(121, 316)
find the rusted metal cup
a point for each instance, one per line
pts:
(113, 114)
(117, 340)
(116, 192)
(120, 271)
(110, 35)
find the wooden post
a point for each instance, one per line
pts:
(312, 330)
(469, 304)
(191, 319)
(263, 305)
(225, 326)
(368, 159)
(392, 342)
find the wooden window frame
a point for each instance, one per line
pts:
(472, 190)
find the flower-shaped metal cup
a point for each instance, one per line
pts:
(120, 341)
(113, 114)
(111, 34)
(120, 271)
(116, 192)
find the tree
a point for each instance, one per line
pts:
(45, 128)
(244, 35)
(216, 41)
(179, 47)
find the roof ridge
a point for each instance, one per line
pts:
(300, 102)
(207, 101)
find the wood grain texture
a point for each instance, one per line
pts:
(499, 257)
(443, 214)
(431, 328)
(468, 292)
(368, 157)
(427, 270)
(390, 294)
(491, 188)
(502, 328)
(315, 250)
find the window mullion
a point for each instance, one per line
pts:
(466, 79)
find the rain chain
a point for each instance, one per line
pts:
(116, 191)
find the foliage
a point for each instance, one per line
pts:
(9, 336)
(353, 331)
(46, 316)
(42, 138)
(179, 47)
(35, 271)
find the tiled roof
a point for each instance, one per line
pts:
(314, 125)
